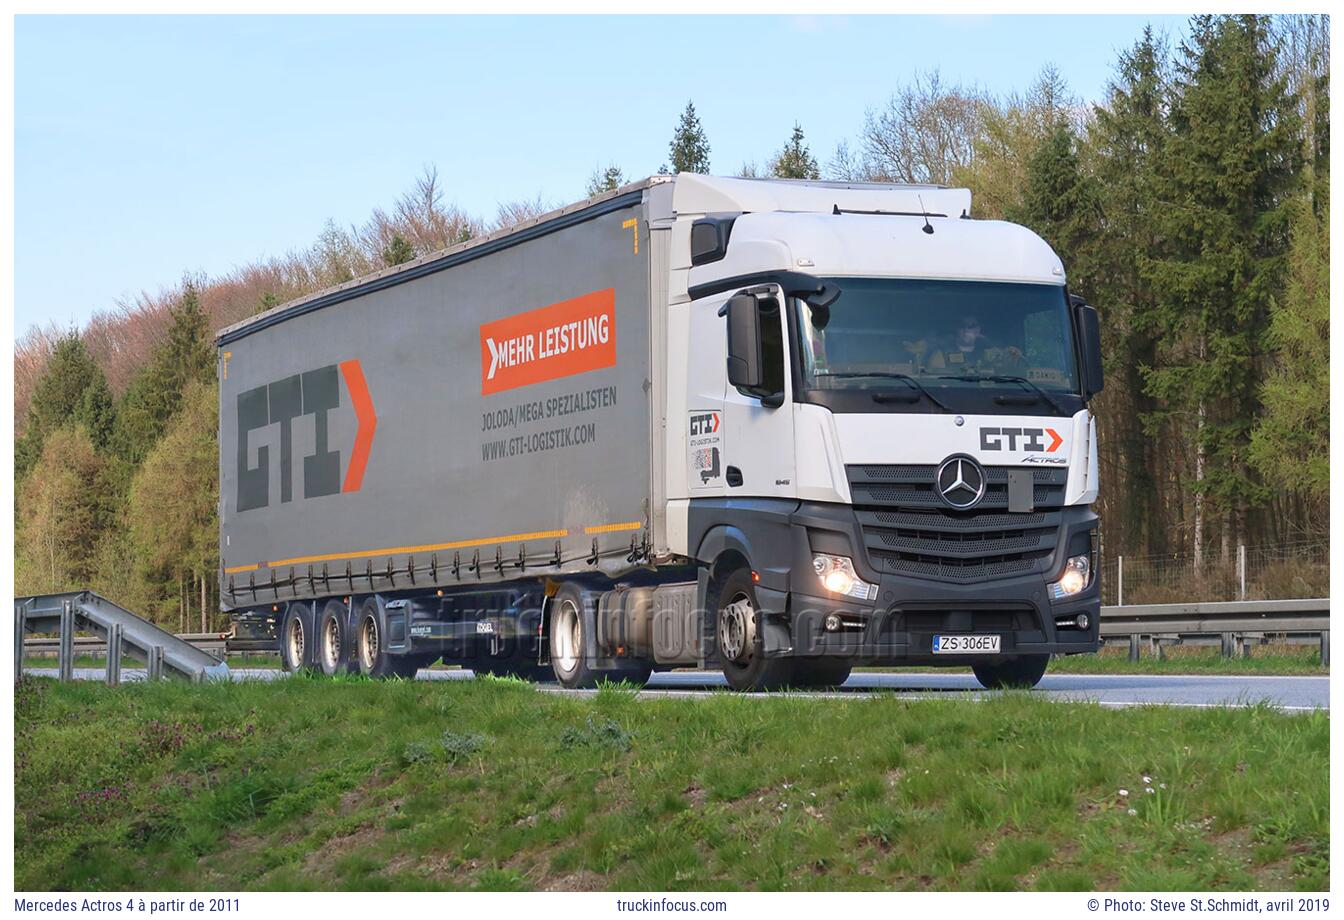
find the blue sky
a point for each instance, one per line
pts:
(149, 146)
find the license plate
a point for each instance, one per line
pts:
(966, 645)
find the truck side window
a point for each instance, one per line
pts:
(772, 344)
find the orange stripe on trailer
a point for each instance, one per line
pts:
(426, 548)
(368, 424)
(612, 528)
(235, 569)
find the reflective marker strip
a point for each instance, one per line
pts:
(433, 547)
(612, 528)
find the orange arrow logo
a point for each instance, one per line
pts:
(1054, 445)
(368, 423)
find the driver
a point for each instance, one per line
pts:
(967, 348)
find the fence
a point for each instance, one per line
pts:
(1270, 572)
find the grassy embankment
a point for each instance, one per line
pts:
(310, 783)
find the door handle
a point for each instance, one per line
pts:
(734, 476)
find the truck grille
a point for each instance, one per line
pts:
(907, 530)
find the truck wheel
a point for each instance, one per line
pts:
(811, 673)
(296, 638)
(370, 652)
(1024, 671)
(740, 641)
(333, 646)
(571, 621)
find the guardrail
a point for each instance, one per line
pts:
(1235, 624)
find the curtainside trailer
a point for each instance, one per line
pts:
(775, 427)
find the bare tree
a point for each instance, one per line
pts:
(516, 212)
(924, 133)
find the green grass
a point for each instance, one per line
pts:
(317, 784)
(1272, 659)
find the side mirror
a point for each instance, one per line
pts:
(1089, 336)
(746, 370)
(746, 359)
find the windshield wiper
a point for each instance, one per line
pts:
(1006, 378)
(891, 375)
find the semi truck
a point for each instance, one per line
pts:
(779, 428)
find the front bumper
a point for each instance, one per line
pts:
(908, 612)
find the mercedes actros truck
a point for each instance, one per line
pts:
(778, 428)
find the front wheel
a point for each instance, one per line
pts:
(740, 639)
(1023, 671)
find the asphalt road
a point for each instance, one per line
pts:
(1291, 694)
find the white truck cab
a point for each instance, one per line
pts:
(885, 411)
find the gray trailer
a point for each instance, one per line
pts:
(586, 445)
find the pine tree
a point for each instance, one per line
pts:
(795, 161)
(1291, 442)
(155, 394)
(397, 251)
(608, 180)
(1059, 202)
(72, 389)
(61, 513)
(1138, 448)
(689, 149)
(171, 511)
(1226, 175)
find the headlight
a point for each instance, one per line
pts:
(837, 575)
(1077, 575)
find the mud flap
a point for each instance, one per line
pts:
(777, 638)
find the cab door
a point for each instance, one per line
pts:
(758, 450)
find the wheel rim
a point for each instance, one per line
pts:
(368, 644)
(294, 643)
(331, 644)
(567, 637)
(737, 628)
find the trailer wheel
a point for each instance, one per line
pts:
(812, 673)
(740, 642)
(370, 647)
(1023, 671)
(333, 646)
(571, 622)
(296, 638)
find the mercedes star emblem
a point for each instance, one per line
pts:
(961, 482)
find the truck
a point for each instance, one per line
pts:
(780, 428)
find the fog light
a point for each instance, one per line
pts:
(837, 576)
(1083, 621)
(1077, 574)
(833, 622)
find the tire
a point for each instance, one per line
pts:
(297, 636)
(739, 641)
(369, 647)
(1023, 671)
(569, 635)
(814, 673)
(333, 650)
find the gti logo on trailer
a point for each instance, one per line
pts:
(314, 393)
(566, 338)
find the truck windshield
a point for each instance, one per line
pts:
(887, 333)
